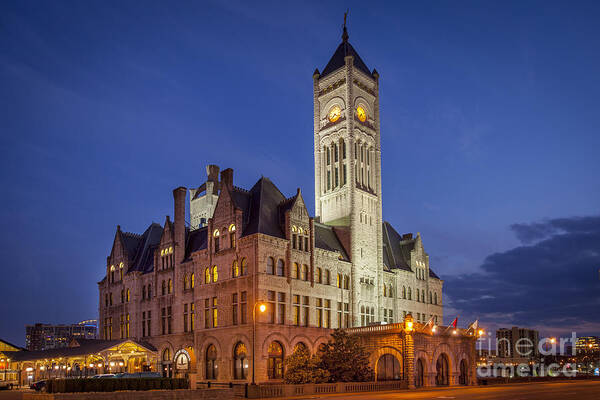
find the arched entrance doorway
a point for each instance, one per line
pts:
(442, 369)
(275, 362)
(388, 368)
(463, 378)
(240, 361)
(211, 362)
(419, 373)
(167, 364)
(182, 363)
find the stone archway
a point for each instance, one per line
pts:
(463, 378)
(442, 368)
(420, 372)
(388, 368)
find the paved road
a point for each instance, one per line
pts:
(581, 390)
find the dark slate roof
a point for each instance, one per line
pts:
(84, 347)
(196, 240)
(337, 60)
(143, 257)
(262, 213)
(325, 238)
(396, 250)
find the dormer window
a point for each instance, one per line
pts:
(112, 274)
(166, 256)
(121, 271)
(232, 236)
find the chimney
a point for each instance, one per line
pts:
(179, 205)
(227, 178)
(212, 173)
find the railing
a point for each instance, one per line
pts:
(282, 390)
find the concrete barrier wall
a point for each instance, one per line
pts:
(271, 391)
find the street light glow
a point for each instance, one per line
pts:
(262, 308)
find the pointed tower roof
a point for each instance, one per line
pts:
(344, 49)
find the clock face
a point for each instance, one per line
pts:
(334, 114)
(361, 114)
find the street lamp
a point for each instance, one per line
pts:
(261, 307)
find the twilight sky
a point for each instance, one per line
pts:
(489, 120)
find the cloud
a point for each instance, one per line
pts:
(550, 282)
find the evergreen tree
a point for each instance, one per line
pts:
(346, 358)
(301, 367)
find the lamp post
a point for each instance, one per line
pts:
(262, 307)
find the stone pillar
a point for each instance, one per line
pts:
(409, 358)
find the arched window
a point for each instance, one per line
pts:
(418, 295)
(430, 298)
(327, 277)
(235, 269)
(338, 281)
(186, 282)
(295, 271)
(346, 282)
(232, 236)
(112, 273)
(391, 291)
(275, 361)
(122, 296)
(144, 292)
(211, 362)
(409, 293)
(216, 235)
(192, 280)
(244, 266)
(166, 355)
(149, 291)
(127, 296)
(240, 363)
(280, 267)
(384, 290)
(270, 266)
(300, 346)
(121, 271)
(164, 288)
(403, 292)
(435, 298)
(304, 272)
(207, 275)
(319, 275)
(215, 273)
(170, 286)
(423, 296)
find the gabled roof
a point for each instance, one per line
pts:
(8, 344)
(396, 250)
(262, 213)
(337, 60)
(326, 238)
(196, 240)
(143, 259)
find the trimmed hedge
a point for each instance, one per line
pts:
(112, 384)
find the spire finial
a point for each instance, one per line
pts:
(345, 32)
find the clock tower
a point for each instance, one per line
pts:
(347, 151)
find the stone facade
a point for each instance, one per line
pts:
(192, 291)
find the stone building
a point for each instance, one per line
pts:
(191, 291)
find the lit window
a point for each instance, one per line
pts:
(244, 266)
(235, 269)
(215, 274)
(192, 280)
(170, 286)
(207, 275)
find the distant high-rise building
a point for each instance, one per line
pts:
(587, 344)
(517, 342)
(47, 336)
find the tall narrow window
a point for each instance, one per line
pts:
(215, 316)
(192, 280)
(295, 271)
(319, 306)
(234, 309)
(280, 267)
(185, 317)
(149, 323)
(270, 266)
(215, 274)
(169, 320)
(244, 266)
(206, 313)
(319, 275)
(216, 240)
(305, 311)
(170, 286)
(235, 269)
(232, 236)
(207, 275)
(243, 307)
(296, 310)
(281, 308)
(192, 317)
